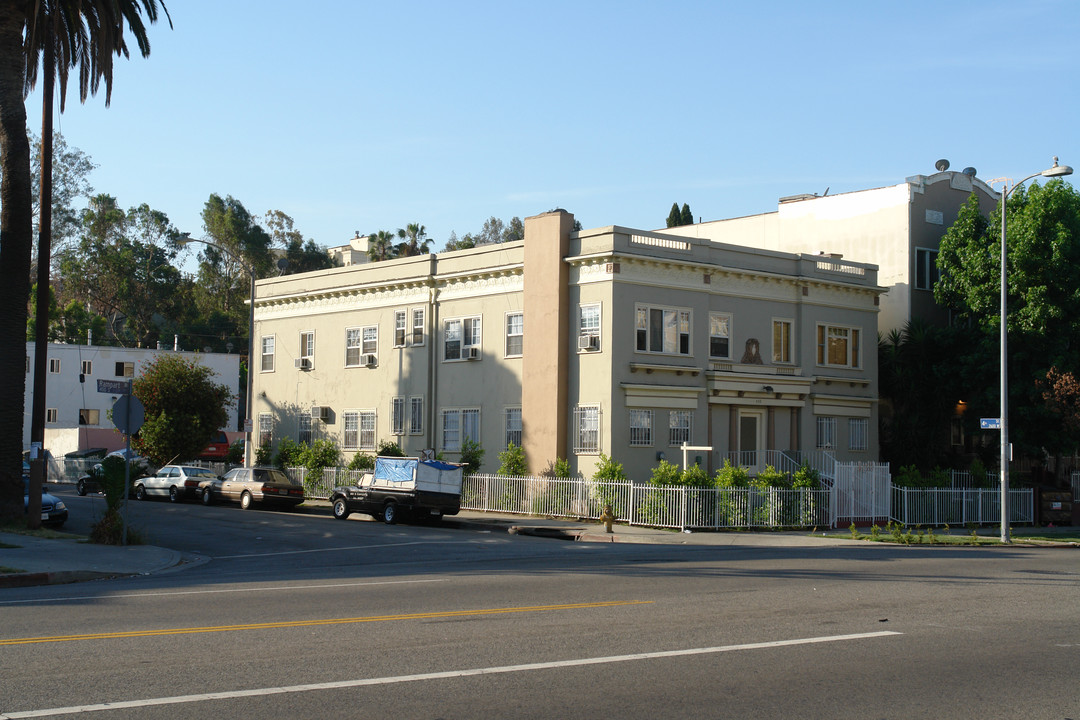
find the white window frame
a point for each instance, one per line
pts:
(305, 428)
(671, 342)
(459, 424)
(782, 355)
(512, 425)
(397, 415)
(641, 427)
(87, 367)
(266, 429)
(54, 366)
(127, 369)
(469, 334)
(587, 429)
(680, 427)
(590, 323)
(715, 319)
(89, 414)
(858, 434)
(51, 415)
(307, 346)
(416, 415)
(419, 327)
(926, 270)
(360, 424)
(353, 344)
(825, 426)
(515, 330)
(400, 318)
(852, 337)
(264, 342)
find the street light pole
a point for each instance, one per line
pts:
(1052, 172)
(185, 240)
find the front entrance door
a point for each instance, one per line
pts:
(751, 442)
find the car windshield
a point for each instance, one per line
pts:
(272, 475)
(199, 472)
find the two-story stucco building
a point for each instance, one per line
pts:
(572, 344)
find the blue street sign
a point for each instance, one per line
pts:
(990, 423)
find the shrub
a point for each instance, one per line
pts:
(389, 448)
(731, 476)
(512, 462)
(666, 474)
(696, 477)
(361, 461)
(557, 468)
(806, 477)
(979, 476)
(235, 456)
(472, 456)
(607, 470)
(289, 453)
(770, 477)
(263, 454)
(322, 454)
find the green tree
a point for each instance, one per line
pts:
(1043, 287)
(184, 408)
(455, 244)
(514, 231)
(472, 456)
(414, 240)
(71, 169)
(686, 217)
(300, 255)
(381, 246)
(674, 218)
(512, 462)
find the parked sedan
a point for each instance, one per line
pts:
(247, 486)
(175, 482)
(53, 511)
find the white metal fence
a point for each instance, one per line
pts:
(954, 506)
(860, 493)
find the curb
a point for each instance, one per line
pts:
(60, 577)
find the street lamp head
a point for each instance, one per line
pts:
(1057, 170)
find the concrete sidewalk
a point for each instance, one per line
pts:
(28, 560)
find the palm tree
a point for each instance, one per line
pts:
(381, 246)
(60, 34)
(415, 240)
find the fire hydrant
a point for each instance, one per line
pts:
(607, 518)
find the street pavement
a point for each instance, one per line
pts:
(27, 560)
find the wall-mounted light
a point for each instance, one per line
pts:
(767, 388)
(660, 456)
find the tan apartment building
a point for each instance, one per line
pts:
(898, 228)
(571, 344)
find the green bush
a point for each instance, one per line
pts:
(235, 456)
(557, 468)
(361, 461)
(666, 474)
(731, 476)
(696, 477)
(979, 476)
(512, 462)
(289, 453)
(472, 456)
(607, 473)
(322, 454)
(607, 470)
(806, 477)
(389, 448)
(263, 455)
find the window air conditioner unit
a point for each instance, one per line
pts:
(369, 360)
(588, 342)
(472, 353)
(320, 412)
(302, 363)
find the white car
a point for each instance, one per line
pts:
(175, 482)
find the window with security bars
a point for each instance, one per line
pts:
(641, 428)
(303, 431)
(397, 416)
(587, 429)
(266, 429)
(459, 425)
(416, 415)
(680, 426)
(367, 430)
(858, 434)
(826, 433)
(513, 426)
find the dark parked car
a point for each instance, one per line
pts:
(92, 482)
(247, 486)
(53, 511)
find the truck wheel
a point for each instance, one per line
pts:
(80, 487)
(390, 513)
(245, 501)
(341, 509)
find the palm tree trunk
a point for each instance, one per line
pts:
(16, 238)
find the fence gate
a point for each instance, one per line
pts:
(861, 494)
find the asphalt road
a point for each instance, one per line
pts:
(292, 615)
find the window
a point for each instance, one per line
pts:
(858, 432)
(89, 417)
(50, 415)
(462, 338)
(838, 346)
(266, 429)
(663, 330)
(359, 430)
(399, 328)
(680, 426)
(303, 431)
(641, 428)
(589, 327)
(54, 365)
(719, 335)
(416, 415)
(360, 341)
(418, 326)
(781, 341)
(87, 367)
(307, 347)
(826, 433)
(515, 334)
(926, 269)
(267, 353)
(397, 416)
(513, 426)
(126, 369)
(587, 429)
(460, 425)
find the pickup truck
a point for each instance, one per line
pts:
(400, 488)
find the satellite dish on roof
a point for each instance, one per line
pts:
(942, 165)
(282, 264)
(970, 171)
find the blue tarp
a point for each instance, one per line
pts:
(395, 470)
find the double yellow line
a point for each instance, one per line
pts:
(311, 623)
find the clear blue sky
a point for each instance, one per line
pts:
(351, 115)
